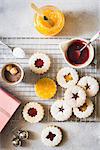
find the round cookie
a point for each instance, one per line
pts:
(45, 88)
(67, 77)
(39, 63)
(85, 110)
(75, 96)
(90, 85)
(51, 136)
(33, 112)
(60, 110)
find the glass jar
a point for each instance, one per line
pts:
(44, 26)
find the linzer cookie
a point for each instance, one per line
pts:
(51, 136)
(90, 85)
(33, 112)
(75, 96)
(85, 110)
(67, 77)
(39, 63)
(60, 110)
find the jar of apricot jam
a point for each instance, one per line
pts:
(55, 15)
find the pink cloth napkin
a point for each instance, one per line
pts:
(8, 105)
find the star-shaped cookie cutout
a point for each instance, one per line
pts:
(87, 86)
(75, 96)
(61, 109)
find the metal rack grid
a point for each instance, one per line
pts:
(25, 90)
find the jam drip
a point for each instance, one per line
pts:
(32, 112)
(39, 63)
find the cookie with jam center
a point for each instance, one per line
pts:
(51, 136)
(39, 63)
(67, 77)
(85, 110)
(33, 112)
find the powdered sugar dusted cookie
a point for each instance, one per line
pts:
(85, 110)
(33, 112)
(39, 63)
(90, 85)
(75, 96)
(60, 110)
(67, 77)
(51, 136)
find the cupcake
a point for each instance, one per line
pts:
(85, 110)
(45, 88)
(60, 110)
(51, 136)
(75, 96)
(39, 63)
(67, 77)
(90, 85)
(33, 112)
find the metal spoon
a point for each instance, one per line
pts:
(17, 51)
(77, 53)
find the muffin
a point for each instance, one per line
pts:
(85, 110)
(67, 77)
(51, 136)
(45, 88)
(90, 85)
(75, 96)
(60, 110)
(39, 63)
(33, 112)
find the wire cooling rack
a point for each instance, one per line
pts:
(25, 90)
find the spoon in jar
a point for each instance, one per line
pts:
(38, 11)
(77, 53)
(17, 51)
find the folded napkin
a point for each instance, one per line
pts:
(8, 105)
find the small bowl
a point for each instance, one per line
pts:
(64, 47)
(3, 76)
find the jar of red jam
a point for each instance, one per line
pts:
(80, 59)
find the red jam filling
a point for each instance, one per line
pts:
(32, 112)
(39, 63)
(51, 136)
(71, 55)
